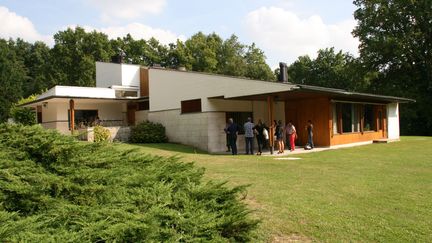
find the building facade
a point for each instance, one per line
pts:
(194, 107)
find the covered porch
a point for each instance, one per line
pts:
(78, 115)
(339, 117)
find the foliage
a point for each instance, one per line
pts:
(23, 115)
(56, 189)
(330, 69)
(101, 134)
(148, 132)
(12, 76)
(396, 41)
(74, 55)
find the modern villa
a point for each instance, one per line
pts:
(194, 107)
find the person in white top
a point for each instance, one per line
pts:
(292, 134)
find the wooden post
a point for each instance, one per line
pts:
(270, 118)
(72, 115)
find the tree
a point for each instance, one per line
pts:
(74, 55)
(330, 69)
(12, 76)
(396, 41)
(256, 67)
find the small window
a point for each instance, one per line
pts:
(239, 118)
(39, 114)
(143, 105)
(190, 106)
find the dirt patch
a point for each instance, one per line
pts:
(290, 238)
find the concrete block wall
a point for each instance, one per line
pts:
(118, 133)
(189, 129)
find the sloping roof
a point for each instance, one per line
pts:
(357, 95)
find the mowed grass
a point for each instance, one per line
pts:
(377, 192)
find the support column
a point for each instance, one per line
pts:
(72, 115)
(270, 104)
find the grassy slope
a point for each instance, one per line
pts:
(379, 192)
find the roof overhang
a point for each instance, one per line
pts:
(295, 92)
(62, 99)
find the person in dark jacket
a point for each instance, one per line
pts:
(232, 131)
(259, 130)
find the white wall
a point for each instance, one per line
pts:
(76, 91)
(393, 120)
(108, 74)
(130, 75)
(168, 88)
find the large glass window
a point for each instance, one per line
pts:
(369, 118)
(346, 117)
(335, 119)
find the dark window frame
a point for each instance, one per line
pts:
(191, 106)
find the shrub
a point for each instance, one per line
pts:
(148, 132)
(101, 134)
(23, 115)
(56, 189)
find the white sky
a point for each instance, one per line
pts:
(283, 29)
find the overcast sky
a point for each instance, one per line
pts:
(283, 29)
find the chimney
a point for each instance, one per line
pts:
(119, 58)
(283, 72)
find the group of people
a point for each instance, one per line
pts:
(261, 132)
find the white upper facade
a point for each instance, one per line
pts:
(76, 91)
(114, 74)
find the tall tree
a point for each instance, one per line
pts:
(330, 69)
(12, 77)
(396, 41)
(74, 54)
(256, 67)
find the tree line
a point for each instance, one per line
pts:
(30, 68)
(395, 59)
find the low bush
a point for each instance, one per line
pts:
(56, 189)
(101, 134)
(148, 132)
(23, 115)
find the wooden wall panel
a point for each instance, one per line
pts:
(144, 82)
(316, 110)
(355, 137)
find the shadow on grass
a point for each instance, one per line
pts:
(172, 147)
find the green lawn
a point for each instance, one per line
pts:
(378, 192)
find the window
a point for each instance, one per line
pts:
(380, 120)
(369, 124)
(189, 106)
(346, 117)
(335, 119)
(84, 118)
(240, 118)
(39, 114)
